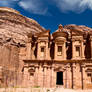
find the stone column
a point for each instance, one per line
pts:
(31, 81)
(78, 76)
(82, 50)
(38, 50)
(84, 76)
(52, 77)
(1, 74)
(64, 78)
(48, 77)
(36, 76)
(45, 77)
(73, 49)
(55, 53)
(40, 76)
(22, 56)
(91, 45)
(28, 53)
(73, 75)
(26, 77)
(64, 51)
(47, 51)
(68, 76)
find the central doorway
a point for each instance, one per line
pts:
(59, 78)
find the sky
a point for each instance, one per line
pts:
(51, 13)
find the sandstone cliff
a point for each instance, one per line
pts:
(13, 35)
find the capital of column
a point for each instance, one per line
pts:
(45, 66)
(68, 66)
(91, 36)
(74, 65)
(73, 40)
(26, 66)
(36, 66)
(38, 41)
(83, 65)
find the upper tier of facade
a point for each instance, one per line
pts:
(66, 43)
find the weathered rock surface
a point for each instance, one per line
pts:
(14, 29)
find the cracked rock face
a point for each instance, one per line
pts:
(78, 27)
(14, 29)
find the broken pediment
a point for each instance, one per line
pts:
(89, 70)
(44, 34)
(77, 33)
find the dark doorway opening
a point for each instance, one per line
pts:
(59, 78)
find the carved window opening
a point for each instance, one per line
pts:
(60, 50)
(90, 76)
(31, 71)
(42, 49)
(77, 51)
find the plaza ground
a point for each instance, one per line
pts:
(41, 90)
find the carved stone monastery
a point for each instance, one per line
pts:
(63, 58)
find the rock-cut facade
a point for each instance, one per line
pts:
(62, 58)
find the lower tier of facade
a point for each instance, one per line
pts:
(51, 74)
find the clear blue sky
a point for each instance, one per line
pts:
(51, 13)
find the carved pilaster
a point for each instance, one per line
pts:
(82, 50)
(29, 51)
(38, 50)
(47, 51)
(73, 75)
(64, 51)
(55, 49)
(73, 49)
(91, 45)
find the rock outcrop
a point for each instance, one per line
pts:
(14, 29)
